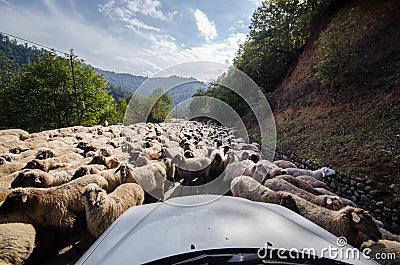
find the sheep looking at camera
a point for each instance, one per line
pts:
(103, 209)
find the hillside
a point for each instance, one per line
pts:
(353, 126)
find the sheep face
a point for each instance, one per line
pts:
(254, 157)
(14, 201)
(188, 154)
(98, 159)
(91, 194)
(35, 164)
(113, 163)
(327, 171)
(105, 152)
(124, 171)
(363, 222)
(44, 154)
(28, 179)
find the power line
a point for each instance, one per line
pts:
(34, 43)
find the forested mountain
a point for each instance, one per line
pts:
(179, 88)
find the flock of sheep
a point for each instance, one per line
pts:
(83, 178)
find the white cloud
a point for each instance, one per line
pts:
(113, 47)
(206, 28)
(125, 15)
(150, 8)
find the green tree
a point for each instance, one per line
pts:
(162, 106)
(42, 95)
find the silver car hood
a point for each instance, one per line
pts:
(153, 231)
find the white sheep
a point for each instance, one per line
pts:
(318, 174)
(56, 206)
(190, 169)
(238, 168)
(248, 188)
(330, 202)
(383, 248)
(348, 222)
(17, 241)
(103, 209)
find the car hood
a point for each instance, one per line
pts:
(179, 225)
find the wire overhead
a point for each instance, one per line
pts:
(34, 43)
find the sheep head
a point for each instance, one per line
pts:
(188, 154)
(44, 154)
(124, 171)
(98, 159)
(362, 221)
(15, 200)
(113, 162)
(104, 151)
(277, 172)
(334, 203)
(327, 171)
(35, 164)
(31, 178)
(91, 193)
(254, 157)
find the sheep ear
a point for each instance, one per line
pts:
(356, 218)
(37, 180)
(118, 169)
(24, 198)
(329, 201)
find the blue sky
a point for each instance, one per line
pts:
(133, 36)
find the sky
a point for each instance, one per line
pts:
(140, 37)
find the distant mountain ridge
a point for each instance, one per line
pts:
(179, 88)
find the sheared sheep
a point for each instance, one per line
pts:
(318, 174)
(248, 188)
(190, 169)
(348, 222)
(39, 179)
(55, 207)
(17, 241)
(284, 164)
(330, 202)
(383, 248)
(313, 182)
(103, 209)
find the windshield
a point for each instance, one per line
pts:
(244, 256)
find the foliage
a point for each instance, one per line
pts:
(151, 108)
(278, 32)
(337, 49)
(41, 95)
(17, 54)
